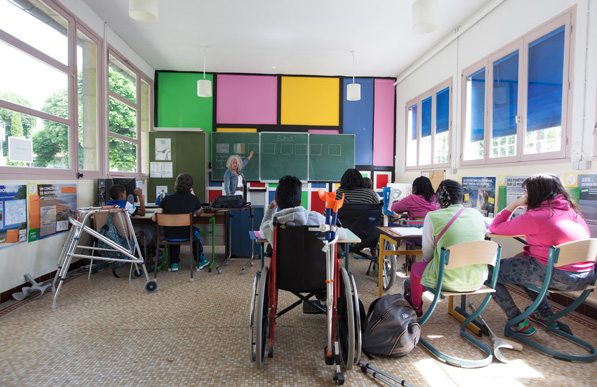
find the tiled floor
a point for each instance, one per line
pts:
(108, 331)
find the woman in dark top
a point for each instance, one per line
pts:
(353, 187)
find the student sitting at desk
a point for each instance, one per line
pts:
(118, 198)
(288, 200)
(420, 202)
(452, 224)
(552, 218)
(183, 201)
(352, 185)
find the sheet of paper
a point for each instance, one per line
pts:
(407, 231)
(163, 149)
(160, 169)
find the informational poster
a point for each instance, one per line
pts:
(160, 169)
(50, 206)
(13, 214)
(479, 193)
(587, 198)
(514, 190)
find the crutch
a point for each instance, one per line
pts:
(382, 375)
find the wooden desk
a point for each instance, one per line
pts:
(387, 235)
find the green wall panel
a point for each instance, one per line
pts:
(178, 105)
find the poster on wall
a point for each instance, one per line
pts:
(50, 206)
(587, 200)
(479, 193)
(13, 215)
(514, 190)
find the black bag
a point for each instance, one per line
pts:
(229, 201)
(391, 329)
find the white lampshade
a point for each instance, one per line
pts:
(204, 88)
(353, 92)
(144, 11)
(425, 16)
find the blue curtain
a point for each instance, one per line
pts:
(426, 117)
(442, 111)
(477, 105)
(546, 74)
(413, 129)
(505, 95)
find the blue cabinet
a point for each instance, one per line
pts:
(240, 225)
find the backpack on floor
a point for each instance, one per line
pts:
(110, 231)
(391, 328)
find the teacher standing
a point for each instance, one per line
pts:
(234, 180)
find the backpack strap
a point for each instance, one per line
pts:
(371, 308)
(439, 236)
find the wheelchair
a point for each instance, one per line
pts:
(363, 219)
(300, 265)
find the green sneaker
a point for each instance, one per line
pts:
(523, 328)
(538, 318)
(202, 264)
(174, 267)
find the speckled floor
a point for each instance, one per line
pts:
(109, 332)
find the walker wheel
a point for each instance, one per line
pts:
(138, 272)
(339, 378)
(151, 286)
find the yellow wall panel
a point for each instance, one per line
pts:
(233, 130)
(310, 101)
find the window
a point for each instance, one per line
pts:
(128, 117)
(515, 100)
(45, 88)
(428, 128)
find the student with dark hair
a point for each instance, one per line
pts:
(353, 187)
(420, 202)
(552, 218)
(288, 200)
(118, 198)
(368, 183)
(450, 225)
(183, 201)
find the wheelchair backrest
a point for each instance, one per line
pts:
(362, 219)
(300, 260)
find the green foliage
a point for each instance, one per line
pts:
(122, 120)
(53, 138)
(5, 114)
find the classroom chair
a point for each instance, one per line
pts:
(174, 220)
(464, 254)
(561, 255)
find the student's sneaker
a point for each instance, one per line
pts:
(174, 267)
(202, 264)
(538, 318)
(523, 328)
(406, 293)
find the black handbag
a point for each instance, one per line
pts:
(229, 201)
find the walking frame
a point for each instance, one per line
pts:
(69, 250)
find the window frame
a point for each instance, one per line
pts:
(431, 93)
(522, 44)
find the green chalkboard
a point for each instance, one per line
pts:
(284, 154)
(330, 155)
(225, 144)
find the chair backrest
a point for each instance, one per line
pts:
(118, 219)
(577, 251)
(300, 260)
(175, 220)
(471, 253)
(362, 219)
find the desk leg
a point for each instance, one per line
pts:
(250, 261)
(460, 314)
(228, 248)
(346, 254)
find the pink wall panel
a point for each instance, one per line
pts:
(383, 123)
(247, 99)
(323, 131)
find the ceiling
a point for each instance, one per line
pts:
(311, 37)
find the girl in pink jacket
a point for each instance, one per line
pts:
(420, 202)
(552, 218)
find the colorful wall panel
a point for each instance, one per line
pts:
(310, 101)
(383, 119)
(178, 105)
(247, 99)
(357, 119)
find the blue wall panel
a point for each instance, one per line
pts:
(357, 119)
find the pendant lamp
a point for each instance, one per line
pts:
(144, 11)
(425, 16)
(204, 85)
(353, 90)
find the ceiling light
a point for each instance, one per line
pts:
(353, 90)
(144, 11)
(204, 85)
(425, 16)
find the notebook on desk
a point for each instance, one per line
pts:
(407, 231)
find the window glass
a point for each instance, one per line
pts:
(123, 155)
(442, 126)
(122, 80)
(505, 105)
(411, 146)
(545, 84)
(475, 116)
(145, 123)
(425, 143)
(122, 119)
(32, 83)
(39, 26)
(87, 54)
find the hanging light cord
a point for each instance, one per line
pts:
(352, 66)
(204, 49)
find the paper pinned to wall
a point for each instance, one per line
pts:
(163, 149)
(160, 169)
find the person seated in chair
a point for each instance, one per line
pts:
(183, 201)
(288, 200)
(352, 185)
(420, 202)
(452, 224)
(552, 217)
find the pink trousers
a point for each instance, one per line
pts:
(416, 289)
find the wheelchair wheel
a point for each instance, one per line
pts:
(262, 318)
(345, 325)
(252, 313)
(357, 319)
(389, 268)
